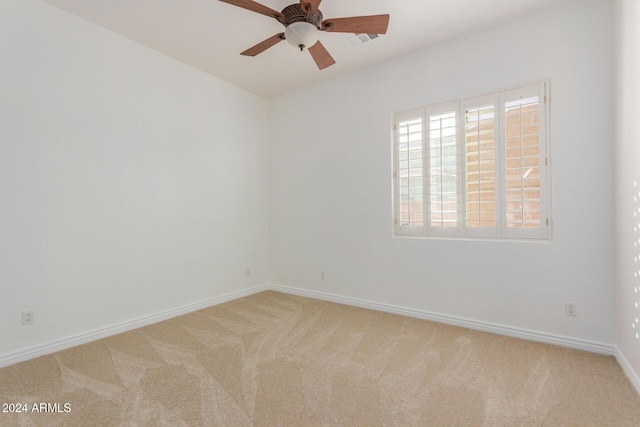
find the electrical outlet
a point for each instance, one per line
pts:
(27, 318)
(571, 309)
(322, 275)
(247, 272)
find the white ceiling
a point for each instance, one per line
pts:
(209, 34)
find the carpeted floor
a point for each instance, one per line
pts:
(273, 359)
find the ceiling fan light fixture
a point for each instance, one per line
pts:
(301, 34)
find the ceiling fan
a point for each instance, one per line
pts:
(303, 21)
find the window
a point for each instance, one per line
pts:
(476, 167)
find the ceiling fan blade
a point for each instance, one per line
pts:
(374, 24)
(263, 45)
(313, 3)
(254, 7)
(321, 56)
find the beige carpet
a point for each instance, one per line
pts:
(272, 359)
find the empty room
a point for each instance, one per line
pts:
(282, 213)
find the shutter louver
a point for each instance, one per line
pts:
(480, 167)
(443, 170)
(522, 158)
(410, 175)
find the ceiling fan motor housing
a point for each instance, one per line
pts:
(295, 13)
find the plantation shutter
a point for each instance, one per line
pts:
(524, 158)
(443, 208)
(480, 166)
(408, 174)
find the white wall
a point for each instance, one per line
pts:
(330, 182)
(130, 184)
(627, 175)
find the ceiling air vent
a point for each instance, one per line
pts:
(359, 38)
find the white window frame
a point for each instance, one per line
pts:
(498, 99)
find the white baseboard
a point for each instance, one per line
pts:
(41, 350)
(594, 347)
(628, 370)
